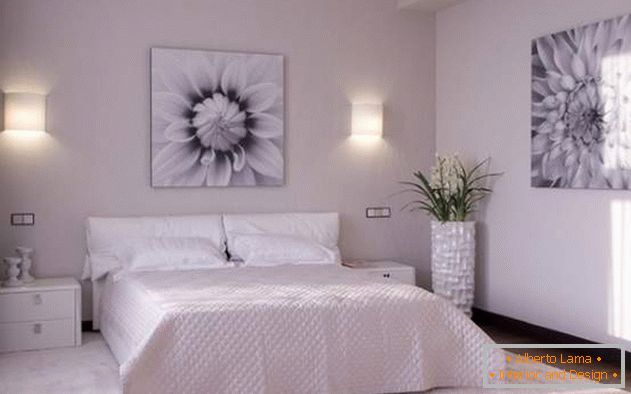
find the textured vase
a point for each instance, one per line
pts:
(453, 262)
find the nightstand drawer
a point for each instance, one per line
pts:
(43, 305)
(36, 335)
(403, 276)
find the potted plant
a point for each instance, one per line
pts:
(450, 195)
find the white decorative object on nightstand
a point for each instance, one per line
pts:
(386, 269)
(45, 313)
(25, 266)
(13, 271)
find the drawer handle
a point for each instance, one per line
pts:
(37, 299)
(37, 328)
(386, 275)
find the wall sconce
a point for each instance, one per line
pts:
(24, 112)
(367, 120)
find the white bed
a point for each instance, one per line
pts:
(285, 329)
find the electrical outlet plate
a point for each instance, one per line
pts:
(22, 219)
(378, 212)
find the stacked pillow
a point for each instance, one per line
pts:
(130, 243)
(288, 238)
(170, 253)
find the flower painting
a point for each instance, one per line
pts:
(216, 119)
(581, 107)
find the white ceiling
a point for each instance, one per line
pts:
(427, 5)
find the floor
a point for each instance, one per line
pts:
(91, 368)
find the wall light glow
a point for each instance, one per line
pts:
(24, 113)
(367, 120)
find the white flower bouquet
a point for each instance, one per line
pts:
(452, 191)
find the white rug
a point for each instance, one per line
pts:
(91, 368)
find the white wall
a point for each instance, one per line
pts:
(92, 58)
(546, 255)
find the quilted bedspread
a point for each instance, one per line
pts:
(289, 329)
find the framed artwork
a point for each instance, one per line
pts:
(216, 119)
(581, 107)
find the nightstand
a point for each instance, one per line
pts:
(40, 315)
(386, 269)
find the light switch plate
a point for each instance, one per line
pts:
(378, 212)
(28, 219)
(22, 219)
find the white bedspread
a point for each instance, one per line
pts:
(289, 329)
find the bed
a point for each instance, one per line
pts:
(308, 328)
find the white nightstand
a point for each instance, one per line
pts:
(40, 315)
(386, 269)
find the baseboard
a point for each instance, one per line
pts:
(538, 333)
(544, 335)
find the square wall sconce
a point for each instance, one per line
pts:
(24, 112)
(367, 120)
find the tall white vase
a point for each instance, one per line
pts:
(453, 262)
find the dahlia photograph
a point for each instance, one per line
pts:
(581, 107)
(216, 119)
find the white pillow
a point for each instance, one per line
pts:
(321, 228)
(105, 236)
(263, 250)
(97, 266)
(169, 253)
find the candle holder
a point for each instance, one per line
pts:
(25, 267)
(12, 271)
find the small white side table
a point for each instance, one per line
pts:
(43, 314)
(386, 269)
